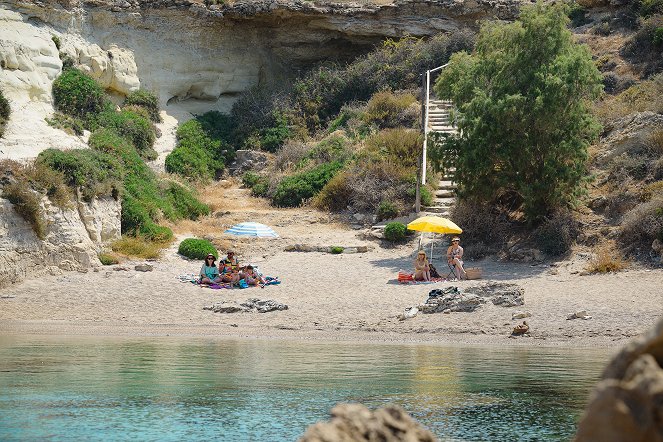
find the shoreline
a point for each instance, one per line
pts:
(61, 329)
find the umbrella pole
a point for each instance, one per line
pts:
(431, 247)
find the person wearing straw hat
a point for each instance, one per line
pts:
(209, 273)
(421, 267)
(455, 258)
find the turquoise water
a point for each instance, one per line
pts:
(248, 390)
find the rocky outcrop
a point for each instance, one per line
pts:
(454, 299)
(355, 422)
(627, 404)
(72, 239)
(628, 134)
(194, 57)
(250, 305)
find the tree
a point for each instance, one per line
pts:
(523, 122)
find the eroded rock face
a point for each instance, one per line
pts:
(627, 404)
(68, 244)
(355, 422)
(628, 133)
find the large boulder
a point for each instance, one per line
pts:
(248, 160)
(627, 403)
(355, 422)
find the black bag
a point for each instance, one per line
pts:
(433, 271)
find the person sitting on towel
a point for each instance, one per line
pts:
(251, 277)
(455, 258)
(421, 267)
(209, 274)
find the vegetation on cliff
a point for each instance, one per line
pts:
(5, 111)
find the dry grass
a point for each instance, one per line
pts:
(608, 258)
(137, 247)
(655, 142)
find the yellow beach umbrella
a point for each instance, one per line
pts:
(434, 224)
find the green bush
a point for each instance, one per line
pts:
(26, 203)
(250, 179)
(387, 210)
(185, 203)
(77, 94)
(577, 14)
(95, 173)
(530, 77)
(194, 248)
(395, 232)
(260, 189)
(336, 250)
(651, 7)
(133, 126)
(56, 41)
(387, 110)
(5, 111)
(146, 100)
(107, 259)
(155, 233)
(197, 156)
(67, 123)
(293, 190)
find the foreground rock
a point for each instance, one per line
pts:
(627, 404)
(250, 305)
(454, 300)
(354, 422)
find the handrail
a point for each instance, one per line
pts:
(425, 147)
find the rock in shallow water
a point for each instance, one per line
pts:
(627, 404)
(355, 422)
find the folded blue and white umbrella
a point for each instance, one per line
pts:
(252, 229)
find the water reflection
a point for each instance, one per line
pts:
(161, 389)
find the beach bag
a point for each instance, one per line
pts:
(243, 284)
(405, 277)
(433, 271)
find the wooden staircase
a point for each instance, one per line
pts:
(440, 121)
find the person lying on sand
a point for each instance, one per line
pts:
(251, 277)
(421, 267)
(209, 274)
(455, 258)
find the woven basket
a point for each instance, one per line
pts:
(473, 273)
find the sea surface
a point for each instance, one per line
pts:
(161, 389)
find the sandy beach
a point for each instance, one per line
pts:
(330, 297)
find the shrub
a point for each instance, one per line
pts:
(607, 259)
(651, 7)
(389, 110)
(146, 100)
(336, 194)
(644, 47)
(260, 189)
(185, 203)
(50, 182)
(481, 222)
(5, 111)
(652, 190)
(643, 224)
(387, 210)
(250, 179)
(395, 232)
(194, 248)
(137, 247)
(155, 233)
(133, 126)
(108, 259)
(292, 153)
(77, 94)
(67, 123)
(402, 146)
(95, 173)
(197, 156)
(26, 203)
(644, 96)
(336, 250)
(524, 77)
(293, 190)
(578, 15)
(56, 41)
(334, 147)
(555, 235)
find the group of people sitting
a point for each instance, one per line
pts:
(228, 271)
(422, 268)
